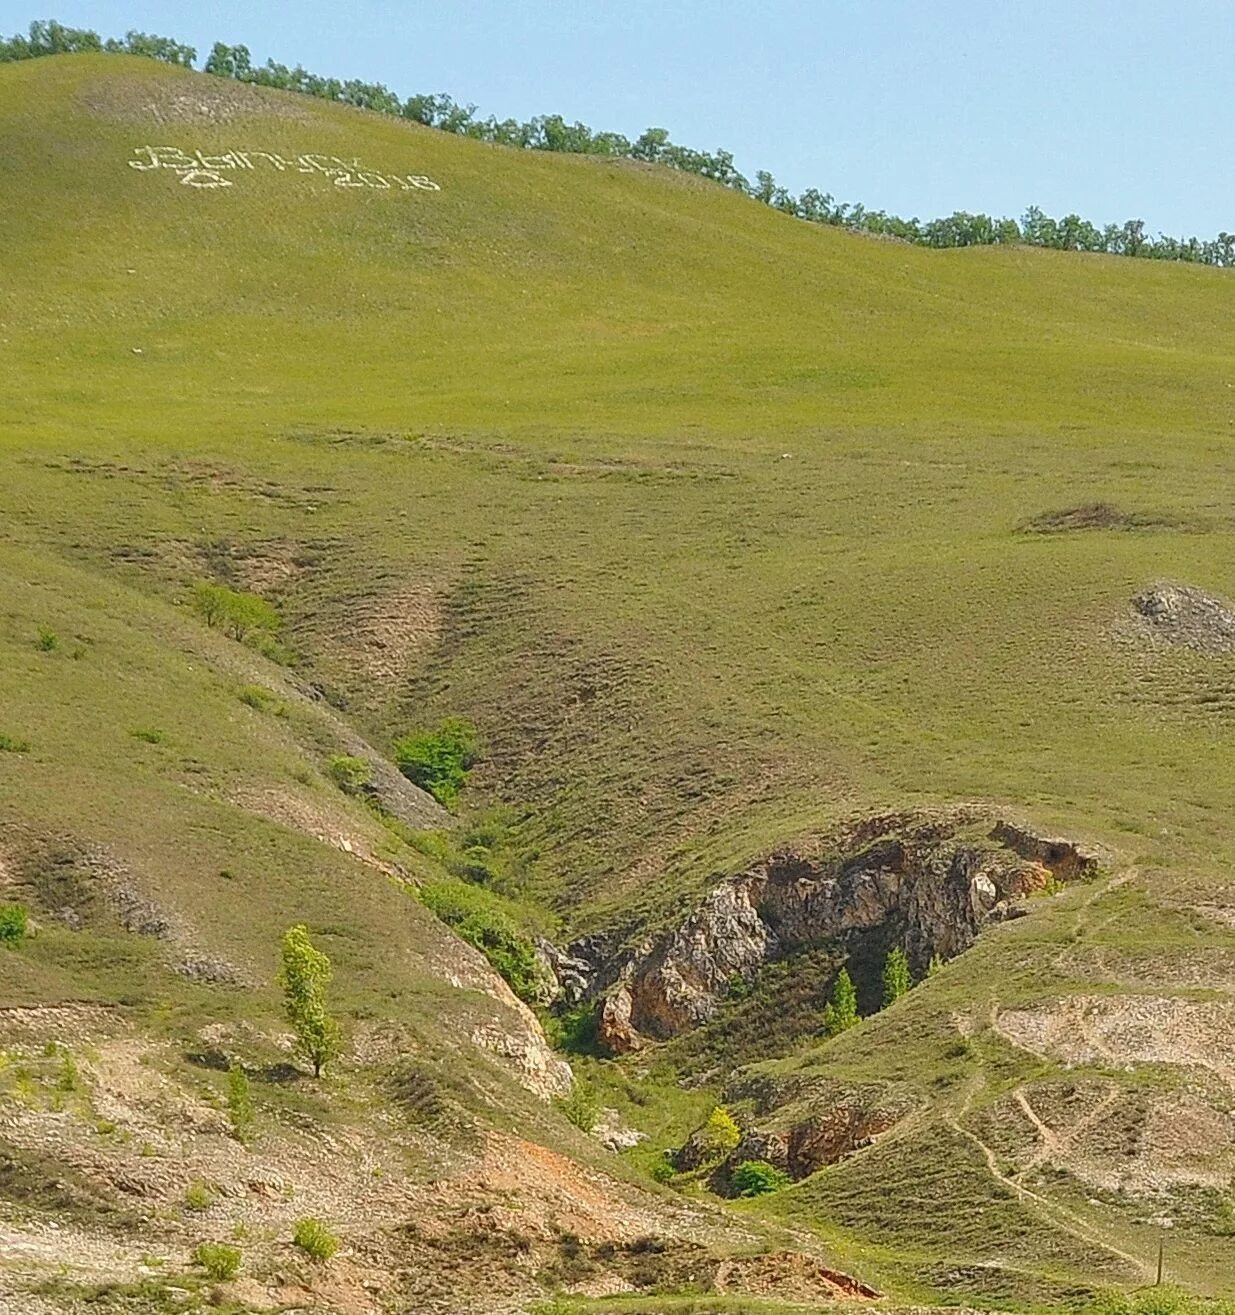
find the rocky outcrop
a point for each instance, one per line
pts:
(1064, 859)
(1184, 615)
(679, 984)
(831, 1132)
(802, 1125)
(566, 976)
(763, 1144)
(928, 883)
(387, 785)
(524, 1050)
(509, 1030)
(613, 1134)
(614, 1030)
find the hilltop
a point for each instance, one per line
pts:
(756, 552)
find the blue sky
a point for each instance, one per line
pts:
(1110, 109)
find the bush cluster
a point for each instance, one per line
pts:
(351, 775)
(479, 918)
(439, 760)
(239, 1102)
(757, 1178)
(241, 615)
(581, 1106)
(721, 1133)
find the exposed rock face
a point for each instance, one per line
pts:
(567, 976)
(1182, 614)
(834, 1132)
(803, 1125)
(933, 883)
(1065, 860)
(759, 1144)
(524, 1049)
(679, 984)
(614, 1029)
(511, 1032)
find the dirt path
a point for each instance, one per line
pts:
(1052, 1140)
(1055, 1142)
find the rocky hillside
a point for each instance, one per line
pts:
(812, 611)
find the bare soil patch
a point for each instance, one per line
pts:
(1104, 516)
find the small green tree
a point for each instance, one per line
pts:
(304, 977)
(581, 1106)
(239, 1102)
(841, 1012)
(721, 1133)
(897, 979)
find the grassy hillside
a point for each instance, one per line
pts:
(719, 526)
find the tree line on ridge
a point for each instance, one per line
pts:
(550, 132)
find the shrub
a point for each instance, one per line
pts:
(239, 1102)
(757, 1178)
(478, 917)
(237, 614)
(350, 774)
(721, 1133)
(439, 760)
(663, 1172)
(68, 1079)
(48, 641)
(432, 844)
(198, 1196)
(581, 1106)
(304, 976)
(10, 744)
(147, 735)
(897, 979)
(261, 700)
(315, 1239)
(574, 1030)
(841, 1012)
(220, 1261)
(14, 923)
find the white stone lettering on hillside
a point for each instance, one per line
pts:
(196, 169)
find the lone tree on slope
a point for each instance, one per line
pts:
(304, 977)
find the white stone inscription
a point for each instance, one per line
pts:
(196, 169)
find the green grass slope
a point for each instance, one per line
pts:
(714, 522)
